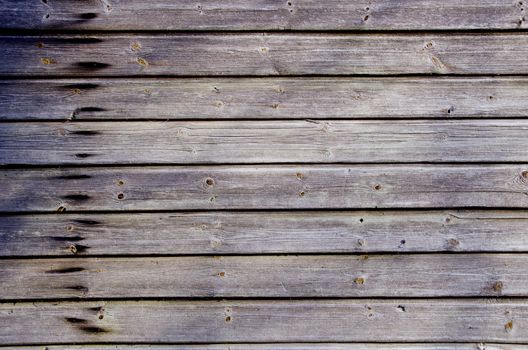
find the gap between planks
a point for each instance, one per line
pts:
(283, 346)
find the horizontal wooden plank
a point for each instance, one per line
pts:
(263, 54)
(264, 187)
(263, 98)
(286, 346)
(259, 14)
(224, 142)
(263, 232)
(266, 321)
(339, 276)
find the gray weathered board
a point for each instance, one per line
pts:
(264, 187)
(357, 320)
(224, 142)
(263, 15)
(264, 98)
(263, 174)
(263, 232)
(270, 54)
(338, 276)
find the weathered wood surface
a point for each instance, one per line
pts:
(367, 320)
(264, 98)
(287, 346)
(224, 142)
(259, 15)
(263, 232)
(264, 187)
(339, 276)
(263, 54)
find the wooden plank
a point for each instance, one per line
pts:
(224, 142)
(286, 346)
(312, 276)
(263, 233)
(264, 187)
(439, 320)
(263, 54)
(263, 98)
(259, 15)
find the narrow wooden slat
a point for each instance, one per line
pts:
(266, 321)
(224, 142)
(264, 232)
(263, 54)
(263, 98)
(283, 346)
(259, 14)
(339, 276)
(287, 346)
(264, 187)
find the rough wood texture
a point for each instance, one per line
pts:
(224, 142)
(264, 187)
(259, 14)
(266, 321)
(264, 232)
(339, 276)
(263, 98)
(285, 346)
(263, 54)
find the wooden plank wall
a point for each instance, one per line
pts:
(250, 175)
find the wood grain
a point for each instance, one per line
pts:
(439, 320)
(263, 98)
(263, 232)
(339, 276)
(286, 346)
(260, 15)
(264, 187)
(224, 142)
(263, 54)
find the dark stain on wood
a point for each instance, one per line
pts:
(88, 15)
(84, 325)
(76, 320)
(73, 177)
(79, 288)
(81, 86)
(78, 248)
(90, 109)
(66, 270)
(93, 329)
(83, 155)
(67, 239)
(97, 309)
(92, 65)
(76, 197)
(87, 222)
(85, 132)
